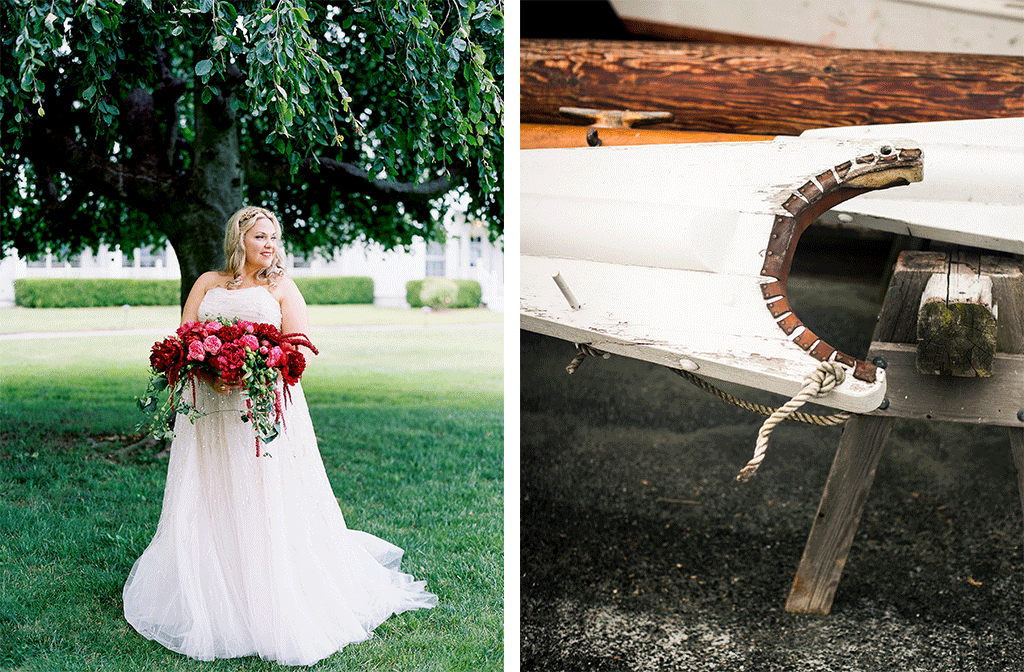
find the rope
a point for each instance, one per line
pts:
(582, 352)
(818, 383)
(761, 409)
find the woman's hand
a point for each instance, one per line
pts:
(218, 384)
(223, 387)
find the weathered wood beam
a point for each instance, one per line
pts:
(761, 89)
(956, 325)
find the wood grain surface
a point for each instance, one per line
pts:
(777, 90)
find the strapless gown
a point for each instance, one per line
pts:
(251, 555)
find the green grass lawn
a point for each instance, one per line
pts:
(410, 428)
(13, 320)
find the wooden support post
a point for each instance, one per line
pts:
(842, 503)
(853, 469)
(1017, 447)
(863, 440)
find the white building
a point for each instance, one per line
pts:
(466, 255)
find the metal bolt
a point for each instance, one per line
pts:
(1020, 415)
(886, 150)
(884, 405)
(880, 362)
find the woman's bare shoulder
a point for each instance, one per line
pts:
(212, 279)
(284, 288)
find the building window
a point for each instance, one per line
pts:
(476, 250)
(150, 256)
(435, 260)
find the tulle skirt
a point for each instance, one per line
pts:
(252, 555)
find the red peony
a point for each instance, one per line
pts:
(230, 361)
(293, 366)
(166, 356)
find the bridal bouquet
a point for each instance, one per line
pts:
(250, 354)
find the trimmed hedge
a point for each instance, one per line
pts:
(97, 292)
(94, 292)
(439, 293)
(336, 290)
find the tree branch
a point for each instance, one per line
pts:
(141, 186)
(350, 179)
(165, 101)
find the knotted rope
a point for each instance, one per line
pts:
(582, 352)
(796, 416)
(818, 383)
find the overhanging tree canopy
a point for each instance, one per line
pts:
(125, 122)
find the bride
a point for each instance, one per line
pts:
(252, 555)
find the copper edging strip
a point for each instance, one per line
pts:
(864, 371)
(789, 323)
(779, 308)
(785, 231)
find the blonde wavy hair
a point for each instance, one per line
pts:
(234, 246)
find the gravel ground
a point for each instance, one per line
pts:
(640, 551)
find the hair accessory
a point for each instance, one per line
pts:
(249, 213)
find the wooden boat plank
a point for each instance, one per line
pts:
(717, 322)
(764, 89)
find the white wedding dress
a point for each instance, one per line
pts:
(252, 555)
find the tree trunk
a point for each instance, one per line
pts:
(214, 193)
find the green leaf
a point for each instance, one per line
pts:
(219, 42)
(204, 67)
(89, 93)
(264, 55)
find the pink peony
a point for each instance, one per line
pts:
(275, 357)
(196, 351)
(212, 344)
(250, 342)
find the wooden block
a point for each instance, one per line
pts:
(956, 327)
